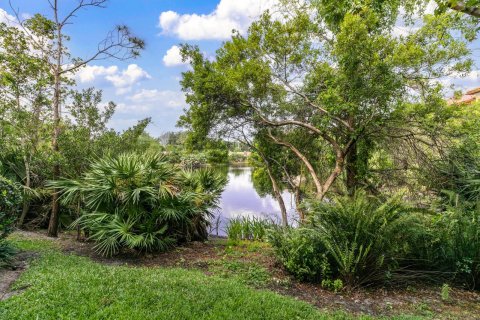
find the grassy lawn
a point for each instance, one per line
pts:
(60, 286)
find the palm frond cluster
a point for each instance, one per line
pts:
(142, 202)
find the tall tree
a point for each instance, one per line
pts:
(24, 89)
(333, 78)
(118, 44)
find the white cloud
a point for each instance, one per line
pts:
(122, 80)
(218, 25)
(90, 73)
(127, 78)
(7, 18)
(173, 57)
(151, 99)
(462, 82)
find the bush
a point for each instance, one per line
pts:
(10, 200)
(453, 247)
(217, 156)
(301, 252)
(142, 202)
(193, 160)
(361, 239)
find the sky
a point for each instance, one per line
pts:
(149, 86)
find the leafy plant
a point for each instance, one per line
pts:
(248, 228)
(302, 252)
(364, 235)
(334, 285)
(445, 292)
(452, 247)
(141, 202)
(359, 240)
(10, 200)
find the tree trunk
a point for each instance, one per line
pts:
(351, 168)
(308, 165)
(339, 163)
(54, 216)
(298, 202)
(26, 202)
(278, 195)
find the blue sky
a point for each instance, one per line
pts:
(149, 86)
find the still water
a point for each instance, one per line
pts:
(240, 199)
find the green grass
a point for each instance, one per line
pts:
(60, 286)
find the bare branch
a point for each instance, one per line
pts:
(301, 156)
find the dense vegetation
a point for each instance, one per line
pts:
(142, 202)
(10, 200)
(326, 99)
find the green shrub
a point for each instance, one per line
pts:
(445, 293)
(453, 247)
(363, 235)
(10, 200)
(301, 252)
(217, 156)
(359, 240)
(142, 202)
(193, 160)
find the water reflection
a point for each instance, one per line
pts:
(241, 199)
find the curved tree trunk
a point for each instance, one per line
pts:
(308, 165)
(278, 195)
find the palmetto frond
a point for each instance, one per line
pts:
(141, 202)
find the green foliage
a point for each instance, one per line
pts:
(249, 273)
(334, 285)
(456, 177)
(193, 160)
(10, 200)
(217, 156)
(452, 246)
(55, 283)
(248, 228)
(7, 251)
(445, 293)
(302, 253)
(141, 202)
(362, 235)
(358, 240)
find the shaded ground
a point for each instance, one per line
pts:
(254, 264)
(11, 273)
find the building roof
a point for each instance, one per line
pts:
(473, 91)
(465, 99)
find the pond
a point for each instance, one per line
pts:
(241, 199)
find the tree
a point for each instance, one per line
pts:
(313, 77)
(470, 7)
(48, 37)
(24, 88)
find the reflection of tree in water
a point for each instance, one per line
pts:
(222, 170)
(263, 184)
(236, 171)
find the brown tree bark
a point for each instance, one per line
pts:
(55, 213)
(278, 195)
(462, 7)
(308, 165)
(26, 202)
